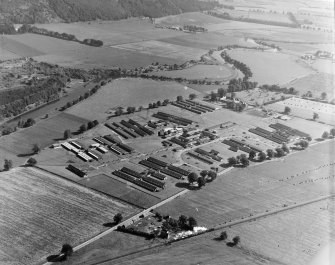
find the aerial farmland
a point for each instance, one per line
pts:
(202, 134)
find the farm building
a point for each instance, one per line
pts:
(76, 171)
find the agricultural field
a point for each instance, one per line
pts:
(71, 54)
(211, 40)
(191, 18)
(113, 32)
(43, 212)
(209, 72)
(120, 190)
(162, 49)
(271, 67)
(127, 92)
(256, 189)
(316, 83)
(292, 237)
(306, 108)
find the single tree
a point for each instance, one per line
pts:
(201, 182)
(232, 161)
(192, 177)
(236, 240)
(261, 156)
(192, 222)
(332, 132)
(67, 250)
(90, 125)
(203, 173)
(182, 221)
(315, 116)
(285, 148)
(244, 161)
(212, 175)
(252, 154)
(118, 218)
(323, 95)
(287, 110)
(192, 96)
(280, 152)
(95, 122)
(31, 161)
(304, 144)
(180, 98)
(223, 235)
(270, 153)
(8, 164)
(83, 128)
(67, 134)
(325, 135)
(36, 148)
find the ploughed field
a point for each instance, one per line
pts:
(40, 212)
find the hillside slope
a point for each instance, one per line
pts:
(44, 11)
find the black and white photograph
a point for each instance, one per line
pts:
(167, 132)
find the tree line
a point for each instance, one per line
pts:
(64, 36)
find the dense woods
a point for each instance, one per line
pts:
(42, 11)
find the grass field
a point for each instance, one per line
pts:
(41, 212)
(113, 32)
(253, 190)
(66, 53)
(43, 133)
(127, 92)
(316, 83)
(211, 72)
(293, 237)
(191, 18)
(270, 67)
(305, 109)
(115, 188)
(163, 49)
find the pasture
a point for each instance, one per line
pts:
(316, 83)
(42, 212)
(256, 189)
(113, 32)
(108, 185)
(191, 18)
(271, 67)
(305, 108)
(43, 133)
(292, 237)
(72, 54)
(127, 92)
(162, 49)
(210, 72)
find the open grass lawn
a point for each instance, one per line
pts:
(127, 92)
(211, 72)
(43, 133)
(40, 212)
(271, 67)
(115, 188)
(252, 190)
